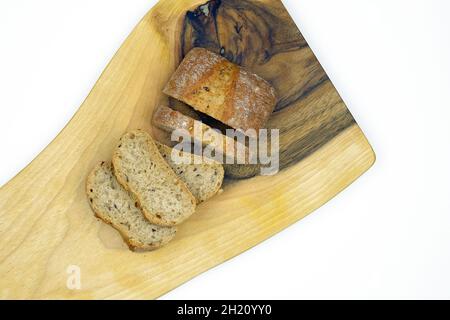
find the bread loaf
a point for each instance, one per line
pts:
(213, 85)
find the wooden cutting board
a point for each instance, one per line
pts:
(48, 234)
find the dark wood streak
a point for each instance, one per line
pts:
(262, 37)
(248, 32)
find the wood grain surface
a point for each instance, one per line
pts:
(261, 36)
(46, 225)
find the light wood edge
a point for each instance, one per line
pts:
(213, 236)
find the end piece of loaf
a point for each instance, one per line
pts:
(115, 206)
(203, 180)
(139, 167)
(213, 85)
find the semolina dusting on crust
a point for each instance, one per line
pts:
(223, 90)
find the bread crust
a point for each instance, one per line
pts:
(169, 120)
(223, 90)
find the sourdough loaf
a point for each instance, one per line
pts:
(213, 85)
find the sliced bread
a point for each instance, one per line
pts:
(169, 120)
(115, 206)
(139, 167)
(223, 90)
(203, 178)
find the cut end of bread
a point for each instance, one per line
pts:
(139, 167)
(116, 207)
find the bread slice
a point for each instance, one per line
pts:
(115, 206)
(169, 120)
(140, 168)
(203, 178)
(213, 85)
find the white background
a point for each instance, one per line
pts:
(387, 236)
